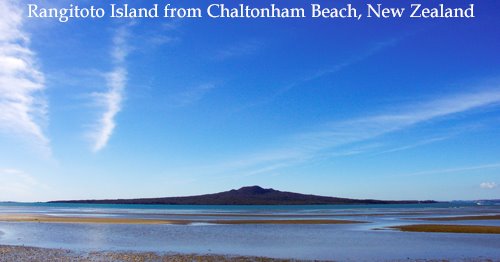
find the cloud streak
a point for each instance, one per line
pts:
(335, 68)
(351, 131)
(23, 109)
(374, 49)
(112, 99)
(457, 170)
(414, 145)
(308, 146)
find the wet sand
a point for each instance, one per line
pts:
(110, 220)
(437, 228)
(21, 253)
(457, 218)
(95, 220)
(283, 222)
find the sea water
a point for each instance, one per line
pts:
(335, 242)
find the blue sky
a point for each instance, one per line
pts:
(122, 108)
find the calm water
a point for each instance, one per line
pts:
(339, 242)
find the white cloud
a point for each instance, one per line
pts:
(15, 185)
(120, 49)
(23, 109)
(112, 102)
(488, 185)
(112, 99)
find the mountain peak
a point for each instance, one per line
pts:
(254, 190)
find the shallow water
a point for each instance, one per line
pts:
(339, 242)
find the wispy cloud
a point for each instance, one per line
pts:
(488, 185)
(17, 185)
(372, 50)
(335, 68)
(167, 33)
(112, 102)
(449, 133)
(351, 131)
(457, 169)
(112, 99)
(308, 146)
(120, 49)
(414, 145)
(23, 110)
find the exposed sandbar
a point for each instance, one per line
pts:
(457, 218)
(87, 220)
(449, 228)
(287, 221)
(111, 220)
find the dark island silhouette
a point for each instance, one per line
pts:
(251, 195)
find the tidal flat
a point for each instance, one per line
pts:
(439, 228)
(248, 233)
(109, 220)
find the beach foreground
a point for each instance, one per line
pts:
(22, 253)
